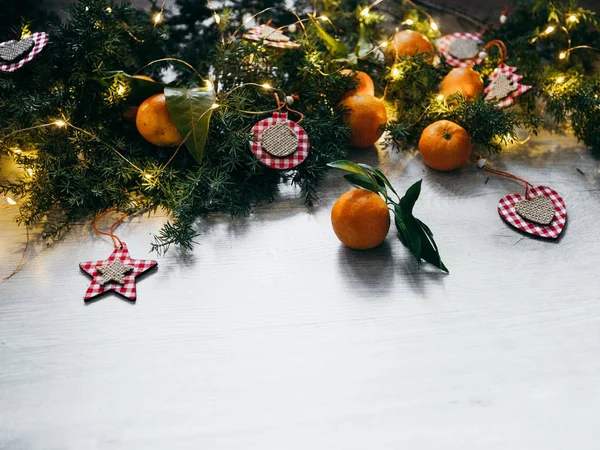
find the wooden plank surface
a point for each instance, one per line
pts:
(271, 335)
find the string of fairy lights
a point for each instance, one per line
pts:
(121, 90)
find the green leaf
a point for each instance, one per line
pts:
(363, 181)
(191, 110)
(429, 250)
(136, 90)
(408, 230)
(337, 49)
(348, 166)
(407, 202)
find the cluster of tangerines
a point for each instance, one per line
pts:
(360, 218)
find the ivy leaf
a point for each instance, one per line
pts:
(364, 181)
(337, 49)
(191, 110)
(136, 90)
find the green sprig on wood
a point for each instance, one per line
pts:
(413, 233)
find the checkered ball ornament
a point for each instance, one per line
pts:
(274, 162)
(128, 288)
(508, 212)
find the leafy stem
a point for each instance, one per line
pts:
(414, 234)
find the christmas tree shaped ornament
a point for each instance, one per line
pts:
(461, 49)
(504, 84)
(118, 272)
(540, 212)
(270, 36)
(278, 142)
(15, 54)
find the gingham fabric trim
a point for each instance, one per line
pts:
(504, 69)
(255, 34)
(444, 49)
(274, 162)
(40, 39)
(506, 209)
(127, 289)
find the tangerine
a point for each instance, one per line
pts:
(445, 145)
(360, 219)
(409, 43)
(464, 80)
(365, 83)
(154, 122)
(365, 115)
(131, 112)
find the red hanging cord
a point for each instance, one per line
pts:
(110, 233)
(501, 48)
(527, 184)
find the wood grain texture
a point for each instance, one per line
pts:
(271, 335)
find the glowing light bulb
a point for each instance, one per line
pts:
(384, 44)
(562, 55)
(365, 12)
(214, 106)
(25, 35)
(560, 80)
(395, 72)
(324, 18)
(440, 97)
(147, 176)
(121, 90)
(573, 18)
(17, 151)
(30, 172)
(217, 19)
(10, 201)
(60, 123)
(434, 26)
(157, 18)
(409, 22)
(209, 84)
(108, 9)
(549, 30)
(265, 86)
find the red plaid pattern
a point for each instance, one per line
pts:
(274, 162)
(255, 34)
(506, 208)
(444, 49)
(127, 289)
(504, 69)
(40, 39)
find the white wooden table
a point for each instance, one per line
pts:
(271, 335)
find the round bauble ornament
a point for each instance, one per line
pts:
(445, 145)
(464, 80)
(409, 43)
(154, 122)
(365, 115)
(365, 83)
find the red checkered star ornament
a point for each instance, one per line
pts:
(279, 143)
(121, 267)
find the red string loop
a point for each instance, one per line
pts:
(110, 233)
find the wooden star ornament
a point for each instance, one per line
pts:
(117, 273)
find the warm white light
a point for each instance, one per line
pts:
(10, 201)
(17, 151)
(560, 79)
(440, 97)
(214, 106)
(409, 22)
(266, 86)
(60, 123)
(395, 72)
(147, 176)
(217, 19)
(562, 55)
(121, 90)
(365, 12)
(209, 84)
(324, 18)
(109, 9)
(157, 18)
(572, 18)
(26, 36)
(384, 44)
(549, 30)
(434, 26)
(30, 172)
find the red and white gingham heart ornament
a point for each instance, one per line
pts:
(507, 208)
(279, 143)
(39, 42)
